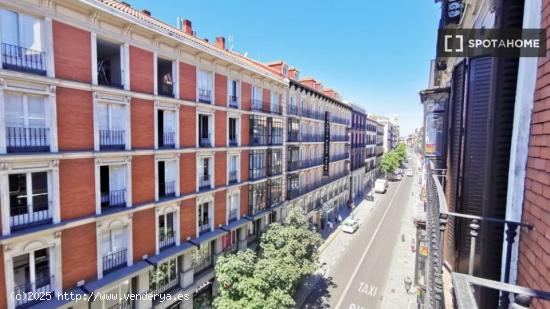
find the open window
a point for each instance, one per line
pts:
(165, 77)
(109, 64)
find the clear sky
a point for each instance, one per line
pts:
(375, 53)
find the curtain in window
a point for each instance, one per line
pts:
(36, 112)
(103, 116)
(117, 116)
(30, 32)
(170, 173)
(15, 116)
(169, 121)
(205, 82)
(117, 178)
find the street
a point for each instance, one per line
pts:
(356, 275)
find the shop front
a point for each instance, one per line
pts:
(203, 297)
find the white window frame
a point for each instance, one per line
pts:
(124, 60)
(233, 193)
(167, 158)
(127, 163)
(211, 170)
(237, 127)
(229, 86)
(163, 211)
(209, 198)
(212, 84)
(100, 98)
(52, 241)
(165, 106)
(238, 165)
(211, 126)
(175, 74)
(51, 167)
(102, 227)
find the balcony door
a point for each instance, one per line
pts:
(111, 119)
(31, 274)
(114, 247)
(204, 217)
(166, 128)
(29, 199)
(26, 125)
(204, 130)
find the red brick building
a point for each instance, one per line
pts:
(133, 154)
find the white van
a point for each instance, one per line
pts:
(380, 186)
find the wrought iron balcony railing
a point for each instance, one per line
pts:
(234, 141)
(17, 58)
(202, 264)
(205, 96)
(233, 214)
(40, 286)
(164, 285)
(204, 182)
(115, 198)
(339, 138)
(205, 141)
(168, 139)
(465, 285)
(166, 240)
(294, 137)
(233, 101)
(293, 110)
(20, 139)
(111, 139)
(22, 217)
(233, 177)
(204, 226)
(168, 188)
(115, 260)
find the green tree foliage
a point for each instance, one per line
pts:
(289, 253)
(393, 159)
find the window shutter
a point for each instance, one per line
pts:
(169, 121)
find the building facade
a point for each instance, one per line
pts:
(358, 151)
(133, 154)
(317, 147)
(371, 166)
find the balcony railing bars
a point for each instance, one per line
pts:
(20, 139)
(437, 217)
(23, 59)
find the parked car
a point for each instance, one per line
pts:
(380, 186)
(369, 197)
(409, 173)
(350, 226)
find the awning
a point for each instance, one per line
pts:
(235, 224)
(170, 252)
(116, 275)
(207, 236)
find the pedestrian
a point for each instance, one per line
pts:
(339, 218)
(330, 226)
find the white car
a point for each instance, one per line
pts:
(380, 186)
(409, 173)
(350, 226)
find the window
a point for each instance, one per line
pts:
(109, 64)
(26, 125)
(29, 199)
(293, 184)
(230, 242)
(164, 277)
(233, 129)
(233, 90)
(203, 257)
(112, 186)
(234, 205)
(233, 169)
(167, 175)
(258, 130)
(166, 230)
(22, 43)
(257, 198)
(31, 274)
(111, 118)
(117, 297)
(275, 191)
(257, 164)
(114, 248)
(204, 131)
(204, 217)
(166, 128)
(275, 164)
(165, 77)
(205, 87)
(276, 131)
(257, 98)
(275, 103)
(204, 174)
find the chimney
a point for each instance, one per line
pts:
(146, 12)
(293, 73)
(186, 26)
(220, 42)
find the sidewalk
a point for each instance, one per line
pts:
(331, 249)
(403, 260)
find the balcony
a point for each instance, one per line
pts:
(168, 140)
(205, 96)
(294, 137)
(113, 199)
(205, 141)
(257, 173)
(275, 109)
(312, 138)
(339, 138)
(166, 240)
(167, 188)
(258, 106)
(233, 101)
(258, 140)
(233, 214)
(311, 162)
(20, 139)
(125, 304)
(17, 58)
(293, 165)
(233, 177)
(293, 110)
(466, 288)
(115, 260)
(165, 284)
(233, 141)
(22, 217)
(112, 139)
(41, 286)
(204, 182)
(202, 264)
(204, 226)
(339, 120)
(339, 157)
(312, 114)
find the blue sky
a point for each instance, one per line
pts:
(374, 53)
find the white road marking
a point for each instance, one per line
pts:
(338, 305)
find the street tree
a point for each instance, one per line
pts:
(289, 253)
(389, 163)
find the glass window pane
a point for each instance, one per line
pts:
(9, 27)
(15, 116)
(21, 273)
(40, 191)
(18, 194)
(37, 112)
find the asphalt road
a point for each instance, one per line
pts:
(358, 278)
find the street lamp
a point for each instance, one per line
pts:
(408, 282)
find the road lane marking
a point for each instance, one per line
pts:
(338, 305)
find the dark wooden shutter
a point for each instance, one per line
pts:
(454, 171)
